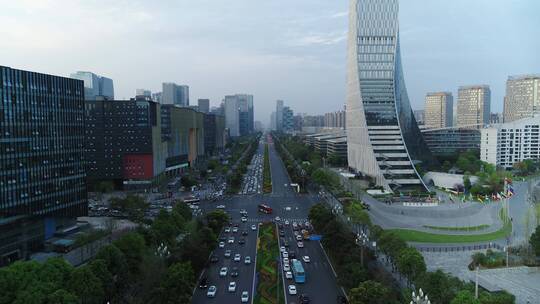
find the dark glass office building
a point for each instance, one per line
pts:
(42, 174)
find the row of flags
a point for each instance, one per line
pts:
(484, 198)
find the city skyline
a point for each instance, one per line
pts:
(284, 53)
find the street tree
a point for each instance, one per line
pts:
(411, 263)
(177, 286)
(86, 286)
(216, 220)
(133, 247)
(465, 297)
(369, 292)
(535, 241)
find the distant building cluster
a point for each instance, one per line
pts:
(78, 133)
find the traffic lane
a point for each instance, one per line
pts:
(320, 285)
(244, 281)
(245, 278)
(279, 174)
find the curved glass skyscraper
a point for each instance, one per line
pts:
(383, 137)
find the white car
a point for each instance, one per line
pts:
(220, 207)
(285, 254)
(232, 286)
(244, 219)
(235, 230)
(247, 260)
(300, 244)
(299, 238)
(221, 244)
(231, 240)
(286, 222)
(237, 257)
(245, 297)
(211, 293)
(277, 219)
(286, 267)
(288, 275)
(227, 229)
(288, 208)
(253, 227)
(292, 289)
(285, 260)
(282, 249)
(223, 272)
(306, 259)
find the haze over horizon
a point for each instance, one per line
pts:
(294, 51)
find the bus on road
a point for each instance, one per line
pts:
(265, 209)
(298, 271)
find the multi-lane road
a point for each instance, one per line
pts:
(320, 285)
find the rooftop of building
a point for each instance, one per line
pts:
(524, 76)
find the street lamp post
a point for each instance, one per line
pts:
(420, 298)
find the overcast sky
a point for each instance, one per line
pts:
(278, 49)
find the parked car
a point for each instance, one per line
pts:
(288, 275)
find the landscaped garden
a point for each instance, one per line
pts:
(267, 176)
(268, 285)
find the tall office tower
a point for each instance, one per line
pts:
(279, 115)
(384, 140)
(143, 92)
(175, 94)
(439, 110)
(42, 174)
(273, 121)
(522, 98)
(239, 118)
(473, 106)
(95, 86)
(204, 105)
(157, 97)
(288, 121)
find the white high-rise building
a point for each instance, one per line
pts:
(95, 86)
(438, 109)
(507, 143)
(384, 141)
(474, 106)
(522, 97)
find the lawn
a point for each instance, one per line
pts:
(268, 285)
(471, 228)
(425, 237)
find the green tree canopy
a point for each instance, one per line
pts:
(411, 263)
(86, 286)
(465, 297)
(133, 247)
(216, 220)
(177, 286)
(535, 241)
(369, 292)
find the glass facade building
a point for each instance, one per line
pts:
(42, 173)
(384, 140)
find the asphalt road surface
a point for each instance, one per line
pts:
(320, 285)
